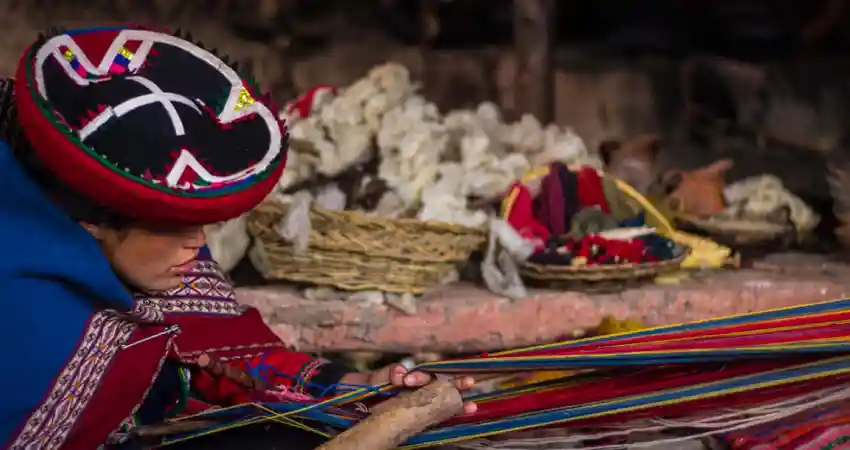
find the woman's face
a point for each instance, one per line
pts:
(150, 259)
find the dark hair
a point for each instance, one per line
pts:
(76, 205)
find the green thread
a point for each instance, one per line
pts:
(129, 424)
(218, 107)
(185, 388)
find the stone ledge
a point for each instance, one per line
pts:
(465, 318)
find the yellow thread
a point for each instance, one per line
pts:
(276, 416)
(666, 327)
(774, 347)
(510, 199)
(735, 334)
(367, 393)
(246, 422)
(766, 384)
(534, 174)
(217, 430)
(534, 387)
(697, 397)
(339, 399)
(125, 52)
(508, 202)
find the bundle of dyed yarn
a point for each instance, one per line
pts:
(602, 248)
(580, 217)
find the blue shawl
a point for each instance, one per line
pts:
(54, 276)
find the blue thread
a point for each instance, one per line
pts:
(262, 371)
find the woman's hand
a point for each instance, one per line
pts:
(398, 375)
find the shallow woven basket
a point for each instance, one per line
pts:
(739, 232)
(605, 277)
(603, 272)
(354, 251)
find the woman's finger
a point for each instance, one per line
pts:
(470, 408)
(464, 383)
(397, 375)
(417, 379)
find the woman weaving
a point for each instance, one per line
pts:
(120, 145)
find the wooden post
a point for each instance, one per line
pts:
(429, 25)
(533, 51)
(400, 418)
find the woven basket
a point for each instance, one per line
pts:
(605, 277)
(603, 272)
(356, 252)
(740, 232)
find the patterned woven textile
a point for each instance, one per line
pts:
(825, 429)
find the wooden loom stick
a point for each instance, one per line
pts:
(403, 417)
(401, 399)
(217, 368)
(172, 428)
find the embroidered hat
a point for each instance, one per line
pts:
(149, 124)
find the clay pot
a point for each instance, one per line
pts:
(698, 192)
